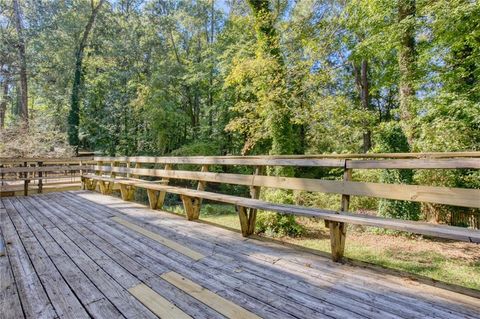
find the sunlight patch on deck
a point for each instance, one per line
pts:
(156, 303)
(214, 301)
(162, 240)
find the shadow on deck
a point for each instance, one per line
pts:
(81, 254)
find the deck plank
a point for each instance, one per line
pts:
(276, 254)
(156, 303)
(34, 299)
(223, 306)
(92, 299)
(162, 240)
(10, 306)
(161, 258)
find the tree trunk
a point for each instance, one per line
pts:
(210, 40)
(74, 114)
(406, 64)
(363, 88)
(23, 107)
(268, 47)
(3, 104)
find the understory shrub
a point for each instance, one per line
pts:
(39, 139)
(275, 224)
(391, 139)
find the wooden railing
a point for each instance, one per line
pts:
(418, 193)
(129, 173)
(24, 175)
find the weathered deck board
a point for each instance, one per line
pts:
(34, 299)
(64, 282)
(10, 306)
(69, 256)
(93, 300)
(405, 308)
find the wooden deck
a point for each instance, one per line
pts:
(81, 254)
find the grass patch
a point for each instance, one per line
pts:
(222, 215)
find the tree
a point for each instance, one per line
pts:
(4, 99)
(391, 139)
(74, 114)
(274, 91)
(22, 62)
(406, 64)
(361, 81)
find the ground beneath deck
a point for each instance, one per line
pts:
(81, 254)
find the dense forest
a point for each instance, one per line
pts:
(242, 77)
(206, 77)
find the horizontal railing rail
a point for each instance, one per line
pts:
(459, 162)
(432, 194)
(160, 159)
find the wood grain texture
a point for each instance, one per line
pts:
(45, 160)
(57, 168)
(113, 255)
(101, 261)
(10, 306)
(428, 163)
(210, 159)
(35, 302)
(84, 289)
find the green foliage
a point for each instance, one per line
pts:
(277, 225)
(198, 149)
(392, 140)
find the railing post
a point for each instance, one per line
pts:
(25, 182)
(40, 179)
(137, 165)
(338, 231)
(192, 205)
(99, 172)
(197, 202)
(248, 216)
(157, 198)
(112, 165)
(93, 185)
